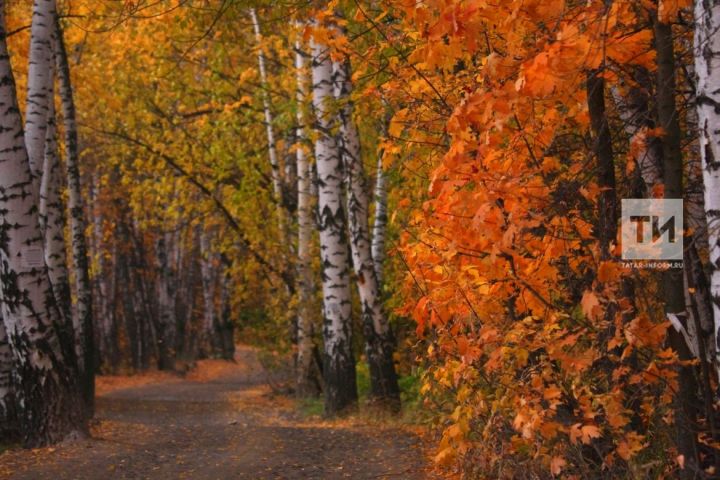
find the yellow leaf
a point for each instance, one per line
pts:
(397, 123)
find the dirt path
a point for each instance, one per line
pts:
(223, 426)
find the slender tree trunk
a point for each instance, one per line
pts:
(338, 361)
(129, 319)
(81, 270)
(290, 178)
(110, 326)
(186, 279)
(673, 283)
(380, 222)
(52, 223)
(166, 305)
(707, 71)
(208, 269)
(272, 151)
(280, 196)
(306, 385)
(227, 327)
(379, 341)
(607, 218)
(146, 302)
(40, 84)
(45, 364)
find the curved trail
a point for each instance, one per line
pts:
(225, 426)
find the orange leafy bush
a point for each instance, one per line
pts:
(538, 354)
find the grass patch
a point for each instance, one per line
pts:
(311, 407)
(362, 376)
(411, 413)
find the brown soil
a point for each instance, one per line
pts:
(219, 422)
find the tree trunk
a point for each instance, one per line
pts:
(380, 222)
(226, 325)
(166, 305)
(673, 283)
(146, 305)
(338, 361)
(130, 320)
(45, 364)
(81, 270)
(186, 281)
(52, 223)
(379, 341)
(209, 345)
(607, 216)
(272, 151)
(707, 71)
(39, 84)
(306, 383)
(7, 401)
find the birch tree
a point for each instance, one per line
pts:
(45, 364)
(52, 222)
(83, 321)
(272, 150)
(379, 342)
(707, 71)
(338, 361)
(304, 380)
(40, 83)
(380, 221)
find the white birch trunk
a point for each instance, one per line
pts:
(699, 303)
(52, 222)
(338, 361)
(272, 151)
(707, 70)
(81, 272)
(378, 338)
(40, 83)
(45, 365)
(304, 381)
(380, 221)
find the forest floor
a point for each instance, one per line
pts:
(220, 421)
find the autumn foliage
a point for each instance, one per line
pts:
(545, 355)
